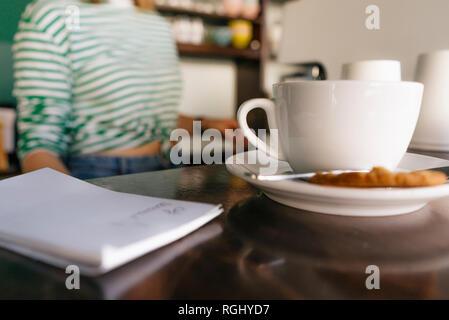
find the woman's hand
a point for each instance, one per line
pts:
(219, 124)
(222, 125)
(186, 122)
(42, 158)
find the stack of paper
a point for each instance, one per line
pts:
(62, 220)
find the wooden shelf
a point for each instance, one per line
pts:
(12, 172)
(210, 50)
(179, 10)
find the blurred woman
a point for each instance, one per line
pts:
(98, 86)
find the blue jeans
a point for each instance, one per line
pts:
(92, 166)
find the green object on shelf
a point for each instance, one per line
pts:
(222, 36)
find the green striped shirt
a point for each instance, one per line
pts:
(93, 77)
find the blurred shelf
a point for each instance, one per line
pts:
(12, 172)
(210, 50)
(6, 175)
(179, 10)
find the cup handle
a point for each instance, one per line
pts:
(269, 107)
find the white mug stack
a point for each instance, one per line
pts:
(375, 70)
(432, 129)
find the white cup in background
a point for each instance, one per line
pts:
(8, 118)
(377, 70)
(432, 129)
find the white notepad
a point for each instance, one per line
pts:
(61, 220)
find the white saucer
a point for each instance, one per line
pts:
(346, 201)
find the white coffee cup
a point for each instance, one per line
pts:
(377, 70)
(329, 125)
(432, 129)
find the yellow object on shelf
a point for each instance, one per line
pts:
(242, 33)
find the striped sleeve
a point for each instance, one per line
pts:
(43, 85)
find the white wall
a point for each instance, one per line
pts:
(274, 70)
(209, 88)
(333, 32)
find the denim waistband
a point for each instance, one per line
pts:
(94, 166)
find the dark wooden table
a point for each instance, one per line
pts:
(258, 249)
